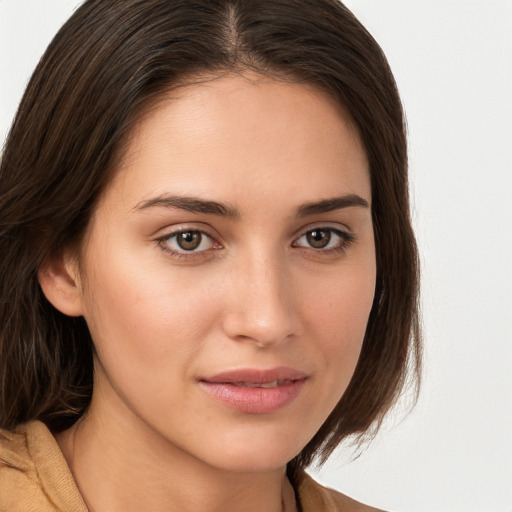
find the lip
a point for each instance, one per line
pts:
(255, 391)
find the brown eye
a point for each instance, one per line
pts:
(318, 238)
(324, 240)
(189, 240)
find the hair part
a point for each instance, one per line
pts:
(107, 65)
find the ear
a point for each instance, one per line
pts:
(60, 280)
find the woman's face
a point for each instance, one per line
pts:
(229, 271)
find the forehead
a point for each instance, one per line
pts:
(246, 136)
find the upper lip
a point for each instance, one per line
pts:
(256, 375)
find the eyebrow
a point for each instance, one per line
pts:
(191, 204)
(196, 205)
(331, 204)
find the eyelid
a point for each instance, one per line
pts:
(331, 226)
(346, 236)
(176, 227)
(176, 230)
(343, 232)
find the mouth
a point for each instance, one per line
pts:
(255, 391)
(267, 385)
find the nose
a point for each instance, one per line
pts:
(262, 305)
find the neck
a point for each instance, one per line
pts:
(124, 466)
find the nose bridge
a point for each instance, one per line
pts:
(262, 309)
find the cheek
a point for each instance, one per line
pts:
(342, 303)
(338, 316)
(148, 319)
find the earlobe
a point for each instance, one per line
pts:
(60, 282)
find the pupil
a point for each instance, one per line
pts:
(319, 238)
(189, 240)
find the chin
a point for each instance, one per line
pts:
(247, 460)
(252, 450)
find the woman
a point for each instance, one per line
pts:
(209, 277)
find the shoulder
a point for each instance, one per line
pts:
(34, 475)
(314, 497)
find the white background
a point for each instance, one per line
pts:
(453, 63)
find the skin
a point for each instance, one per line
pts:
(255, 294)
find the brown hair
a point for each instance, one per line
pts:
(104, 66)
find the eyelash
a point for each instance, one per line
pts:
(345, 240)
(163, 243)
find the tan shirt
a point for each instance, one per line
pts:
(34, 477)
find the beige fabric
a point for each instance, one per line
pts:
(34, 477)
(314, 498)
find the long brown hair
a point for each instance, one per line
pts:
(106, 64)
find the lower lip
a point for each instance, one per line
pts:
(254, 400)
